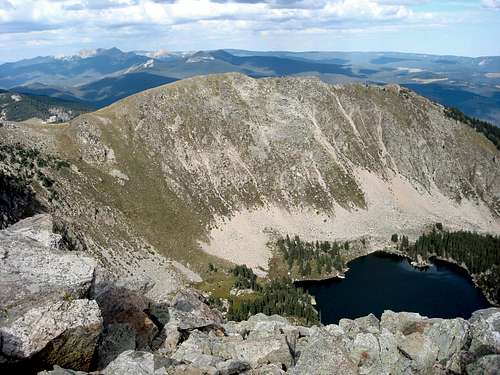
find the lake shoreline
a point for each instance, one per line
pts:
(399, 254)
(387, 281)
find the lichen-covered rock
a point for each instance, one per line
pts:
(45, 317)
(450, 336)
(487, 365)
(189, 311)
(63, 333)
(485, 331)
(131, 363)
(115, 339)
(324, 354)
(32, 269)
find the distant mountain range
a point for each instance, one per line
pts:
(100, 77)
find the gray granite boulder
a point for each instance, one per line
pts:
(42, 294)
(485, 332)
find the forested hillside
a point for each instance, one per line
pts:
(21, 107)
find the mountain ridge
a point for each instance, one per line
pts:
(471, 84)
(230, 159)
(243, 153)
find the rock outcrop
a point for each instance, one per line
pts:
(46, 317)
(398, 343)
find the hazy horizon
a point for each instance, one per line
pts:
(139, 51)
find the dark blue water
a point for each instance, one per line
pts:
(379, 282)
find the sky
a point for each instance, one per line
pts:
(31, 28)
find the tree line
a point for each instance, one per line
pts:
(489, 130)
(312, 258)
(278, 297)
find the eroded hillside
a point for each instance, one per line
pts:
(222, 162)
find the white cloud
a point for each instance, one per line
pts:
(92, 23)
(491, 4)
(61, 13)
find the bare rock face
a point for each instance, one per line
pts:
(33, 269)
(485, 328)
(189, 311)
(45, 317)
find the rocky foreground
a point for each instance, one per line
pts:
(61, 313)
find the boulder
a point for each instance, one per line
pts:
(168, 338)
(450, 336)
(270, 369)
(404, 322)
(253, 351)
(34, 270)
(323, 354)
(131, 363)
(188, 310)
(63, 333)
(422, 352)
(123, 303)
(392, 362)
(45, 316)
(487, 365)
(485, 332)
(231, 367)
(365, 353)
(368, 324)
(61, 371)
(265, 350)
(116, 338)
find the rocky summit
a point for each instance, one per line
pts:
(108, 222)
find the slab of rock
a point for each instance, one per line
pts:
(487, 365)
(324, 354)
(485, 332)
(115, 339)
(63, 333)
(45, 317)
(189, 311)
(32, 269)
(132, 362)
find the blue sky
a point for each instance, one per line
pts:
(63, 27)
